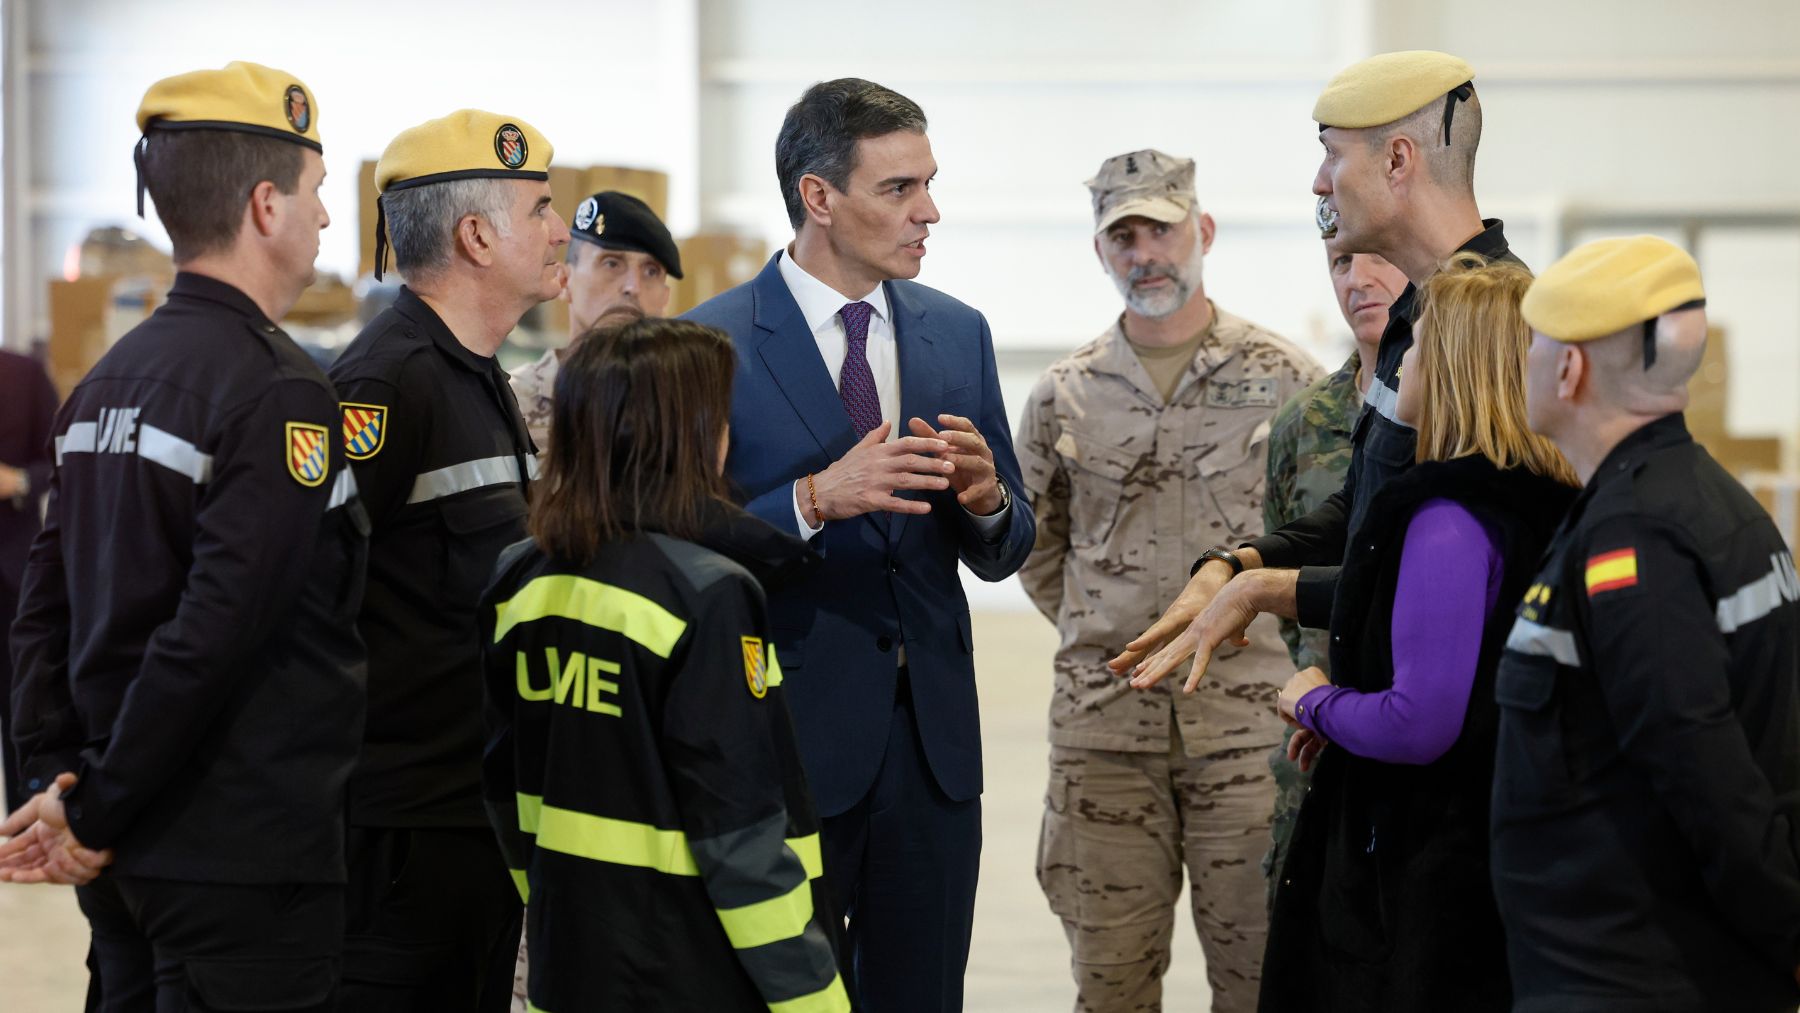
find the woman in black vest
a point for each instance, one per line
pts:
(1385, 903)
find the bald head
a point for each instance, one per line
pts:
(1616, 362)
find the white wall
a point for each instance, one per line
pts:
(1605, 107)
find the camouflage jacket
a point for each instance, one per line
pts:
(1128, 491)
(1309, 452)
(532, 386)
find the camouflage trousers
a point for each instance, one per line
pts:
(1291, 786)
(1119, 828)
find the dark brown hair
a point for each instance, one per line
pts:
(201, 181)
(635, 423)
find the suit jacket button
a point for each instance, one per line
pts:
(884, 644)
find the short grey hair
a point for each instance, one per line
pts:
(1451, 166)
(421, 220)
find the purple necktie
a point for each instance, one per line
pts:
(856, 385)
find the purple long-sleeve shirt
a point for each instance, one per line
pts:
(1450, 570)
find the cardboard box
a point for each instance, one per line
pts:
(89, 314)
(712, 263)
(647, 185)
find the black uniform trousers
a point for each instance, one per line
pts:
(912, 912)
(433, 922)
(165, 946)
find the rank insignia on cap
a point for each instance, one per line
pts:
(298, 109)
(306, 453)
(509, 144)
(365, 428)
(756, 667)
(1610, 571)
(586, 213)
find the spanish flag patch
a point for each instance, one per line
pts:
(1610, 571)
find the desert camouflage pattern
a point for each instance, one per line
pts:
(1128, 491)
(532, 386)
(1309, 454)
(1119, 828)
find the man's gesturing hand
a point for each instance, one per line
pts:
(1201, 588)
(1226, 617)
(866, 478)
(976, 484)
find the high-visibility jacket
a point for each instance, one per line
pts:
(642, 775)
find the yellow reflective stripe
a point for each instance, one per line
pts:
(774, 674)
(524, 886)
(830, 999)
(811, 858)
(769, 921)
(620, 842)
(595, 604)
(531, 1007)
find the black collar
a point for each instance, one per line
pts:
(190, 285)
(417, 310)
(1490, 243)
(1622, 460)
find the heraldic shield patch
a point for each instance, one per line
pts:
(307, 453)
(756, 666)
(365, 428)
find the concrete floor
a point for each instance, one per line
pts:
(1019, 960)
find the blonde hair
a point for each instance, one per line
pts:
(1472, 341)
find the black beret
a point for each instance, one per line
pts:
(619, 221)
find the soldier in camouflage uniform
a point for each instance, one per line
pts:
(1140, 450)
(1309, 452)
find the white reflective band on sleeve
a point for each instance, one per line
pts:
(463, 477)
(78, 440)
(531, 467)
(1528, 637)
(174, 453)
(156, 445)
(343, 488)
(1761, 596)
(1385, 401)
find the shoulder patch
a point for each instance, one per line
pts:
(756, 667)
(1612, 571)
(307, 453)
(365, 429)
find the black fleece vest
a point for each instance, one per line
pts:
(1385, 902)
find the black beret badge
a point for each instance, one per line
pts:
(586, 213)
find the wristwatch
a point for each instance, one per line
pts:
(1222, 554)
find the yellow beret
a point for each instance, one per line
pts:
(1388, 87)
(1604, 287)
(246, 97)
(467, 144)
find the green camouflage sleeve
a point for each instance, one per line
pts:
(1278, 504)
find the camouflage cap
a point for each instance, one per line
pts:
(1147, 183)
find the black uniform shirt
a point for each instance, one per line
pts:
(185, 642)
(1383, 446)
(443, 460)
(1647, 785)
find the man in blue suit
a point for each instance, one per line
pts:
(835, 349)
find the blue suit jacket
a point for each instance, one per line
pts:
(885, 575)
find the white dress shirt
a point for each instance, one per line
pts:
(819, 305)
